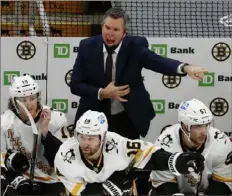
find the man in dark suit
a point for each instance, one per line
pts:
(107, 76)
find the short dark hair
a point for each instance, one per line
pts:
(115, 13)
(11, 105)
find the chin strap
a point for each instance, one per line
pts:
(187, 135)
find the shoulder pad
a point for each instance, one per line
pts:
(58, 118)
(69, 143)
(7, 119)
(220, 140)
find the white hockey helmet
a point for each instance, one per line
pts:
(194, 112)
(23, 86)
(92, 123)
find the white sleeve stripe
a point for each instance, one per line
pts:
(172, 163)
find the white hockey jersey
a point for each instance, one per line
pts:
(18, 136)
(118, 152)
(215, 164)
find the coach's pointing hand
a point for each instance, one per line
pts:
(195, 72)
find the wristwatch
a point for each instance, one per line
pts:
(183, 66)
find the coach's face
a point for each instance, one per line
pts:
(113, 31)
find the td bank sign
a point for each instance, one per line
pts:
(210, 78)
(63, 104)
(61, 50)
(159, 105)
(163, 50)
(9, 76)
(60, 105)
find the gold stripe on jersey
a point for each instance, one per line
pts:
(3, 154)
(134, 188)
(93, 165)
(159, 181)
(137, 155)
(76, 188)
(220, 178)
(148, 151)
(47, 178)
(99, 161)
(173, 180)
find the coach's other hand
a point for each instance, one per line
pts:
(114, 92)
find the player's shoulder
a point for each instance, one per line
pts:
(57, 117)
(219, 140)
(114, 141)
(111, 136)
(170, 131)
(54, 112)
(7, 119)
(169, 138)
(67, 159)
(69, 144)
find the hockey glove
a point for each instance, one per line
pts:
(185, 163)
(24, 186)
(109, 188)
(16, 162)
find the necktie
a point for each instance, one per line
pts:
(108, 68)
(108, 79)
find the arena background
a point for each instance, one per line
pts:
(42, 38)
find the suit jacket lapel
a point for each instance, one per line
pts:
(121, 59)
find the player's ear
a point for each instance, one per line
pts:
(124, 35)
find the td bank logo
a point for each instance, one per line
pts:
(60, 105)
(159, 105)
(160, 49)
(9, 75)
(208, 80)
(61, 50)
